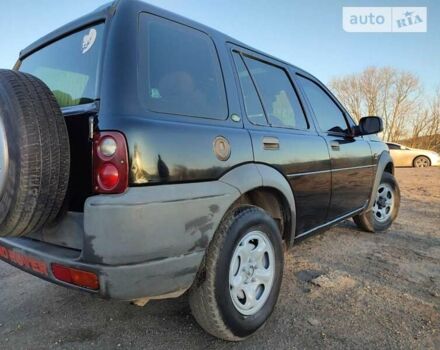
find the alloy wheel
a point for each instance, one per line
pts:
(384, 203)
(421, 162)
(251, 272)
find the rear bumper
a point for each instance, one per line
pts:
(147, 242)
(122, 282)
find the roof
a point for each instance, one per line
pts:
(106, 11)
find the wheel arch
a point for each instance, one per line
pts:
(389, 168)
(265, 187)
(384, 164)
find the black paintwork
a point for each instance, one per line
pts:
(327, 184)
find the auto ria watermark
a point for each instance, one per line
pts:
(385, 19)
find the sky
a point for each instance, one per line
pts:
(308, 34)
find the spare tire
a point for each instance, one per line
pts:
(34, 154)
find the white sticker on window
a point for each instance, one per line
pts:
(155, 93)
(88, 40)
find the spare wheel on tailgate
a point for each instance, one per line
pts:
(34, 154)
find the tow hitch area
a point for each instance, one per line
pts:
(24, 261)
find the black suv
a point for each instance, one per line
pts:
(143, 155)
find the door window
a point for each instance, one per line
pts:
(252, 103)
(279, 98)
(329, 116)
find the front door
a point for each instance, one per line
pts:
(352, 166)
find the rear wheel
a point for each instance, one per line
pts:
(34, 154)
(237, 288)
(385, 207)
(422, 162)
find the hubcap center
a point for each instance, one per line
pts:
(381, 202)
(250, 271)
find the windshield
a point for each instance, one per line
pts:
(69, 66)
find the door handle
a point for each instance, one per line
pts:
(335, 145)
(271, 143)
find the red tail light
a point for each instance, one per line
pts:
(110, 162)
(108, 176)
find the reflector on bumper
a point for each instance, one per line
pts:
(79, 278)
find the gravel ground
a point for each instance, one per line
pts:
(342, 289)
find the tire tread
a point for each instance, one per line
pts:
(37, 184)
(202, 296)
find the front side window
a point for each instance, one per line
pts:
(183, 75)
(279, 98)
(69, 66)
(329, 116)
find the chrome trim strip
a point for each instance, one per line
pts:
(355, 167)
(309, 173)
(332, 222)
(330, 170)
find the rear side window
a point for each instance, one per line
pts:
(252, 103)
(279, 98)
(69, 66)
(329, 116)
(183, 75)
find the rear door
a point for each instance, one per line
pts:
(351, 160)
(282, 137)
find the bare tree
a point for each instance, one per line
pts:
(420, 125)
(387, 92)
(425, 126)
(348, 90)
(433, 130)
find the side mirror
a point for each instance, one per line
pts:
(369, 125)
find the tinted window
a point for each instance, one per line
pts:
(392, 146)
(184, 75)
(69, 66)
(279, 98)
(252, 102)
(328, 114)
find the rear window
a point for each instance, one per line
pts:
(183, 75)
(393, 146)
(69, 66)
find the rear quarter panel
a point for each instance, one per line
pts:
(164, 151)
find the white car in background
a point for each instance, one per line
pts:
(406, 156)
